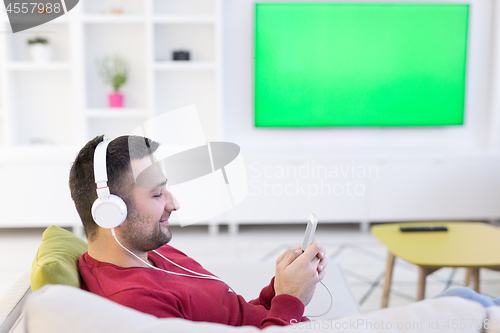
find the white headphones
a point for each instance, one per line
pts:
(109, 210)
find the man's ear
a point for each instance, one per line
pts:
(123, 224)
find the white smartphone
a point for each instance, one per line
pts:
(310, 230)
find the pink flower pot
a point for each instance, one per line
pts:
(115, 100)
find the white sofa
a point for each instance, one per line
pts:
(247, 278)
(66, 309)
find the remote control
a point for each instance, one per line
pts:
(310, 230)
(429, 228)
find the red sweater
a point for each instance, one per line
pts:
(171, 296)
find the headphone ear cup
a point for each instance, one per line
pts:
(109, 213)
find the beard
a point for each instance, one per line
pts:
(144, 232)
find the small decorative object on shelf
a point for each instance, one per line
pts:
(180, 55)
(40, 49)
(116, 11)
(114, 71)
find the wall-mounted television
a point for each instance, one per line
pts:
(360, 64)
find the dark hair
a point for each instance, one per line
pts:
(120, 179)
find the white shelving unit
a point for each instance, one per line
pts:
(198, 19)
(30, 66)
(185, 66)
(105, 113)
(56, 107)
(145, 33)
(111, 19)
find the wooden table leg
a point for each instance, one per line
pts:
(388, 278)
(475, 278)
(422, 275)
(468, 272)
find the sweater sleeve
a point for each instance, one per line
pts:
(266, 296)
(147, 302)
(283, 309)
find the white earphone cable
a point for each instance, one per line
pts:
(198, 275)
(331, 302)
(184, 268)
(201, 275)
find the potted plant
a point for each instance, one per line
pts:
(114, 71)
(40, 49)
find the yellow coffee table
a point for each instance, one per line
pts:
(465, 244)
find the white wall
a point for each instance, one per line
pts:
(238, 37)
(429, 173)
(494, 142)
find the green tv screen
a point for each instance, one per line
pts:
(338, 64)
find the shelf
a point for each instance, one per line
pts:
(185, 7)
(48, 111)
(107, 7)
(38, 153)
(111, 19)
(63, 19)
(184, 65)
(128, 41)
(106, 113)
(33, 66)
(171, 19)
(60, 19)
(198, 39)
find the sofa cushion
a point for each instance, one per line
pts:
(493, 323)
(56, 261)
(62, 309)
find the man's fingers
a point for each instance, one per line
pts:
(284, 254)
(281, 257)
(312, 250)
(288, 257)
(322, 265)
(322, 253)
(321, 275)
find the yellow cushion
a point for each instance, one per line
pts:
(56, 260)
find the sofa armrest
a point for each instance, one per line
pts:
(63, 309)
(493, 325)
(13, 302)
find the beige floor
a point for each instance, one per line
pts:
(361, 256)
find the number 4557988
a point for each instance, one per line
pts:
(32, 7)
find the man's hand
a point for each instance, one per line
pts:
(298, 273)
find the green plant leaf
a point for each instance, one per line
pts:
(113, 70)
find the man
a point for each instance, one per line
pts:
(166, 282)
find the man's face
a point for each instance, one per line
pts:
(146, 226)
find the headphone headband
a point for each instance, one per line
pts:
(100, 172)
(108, 211)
